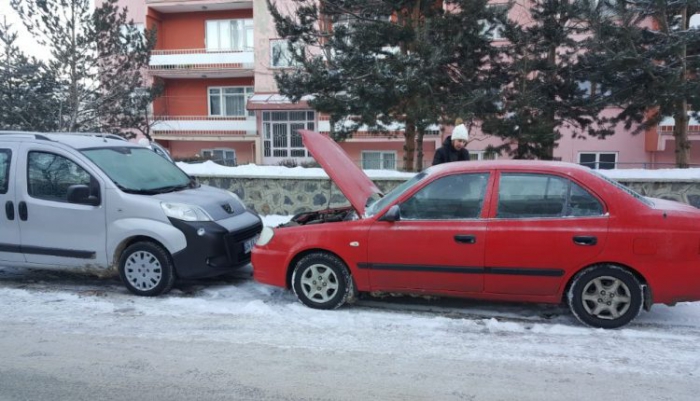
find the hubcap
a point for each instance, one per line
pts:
(606, 298)
(143, 270)
(319, 283)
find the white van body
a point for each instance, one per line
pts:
(91, 203)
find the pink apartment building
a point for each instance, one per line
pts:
(217, 59)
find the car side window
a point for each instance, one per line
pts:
(582, 203)
(458, 196)
(542, 195)
(50, 175)
(5, 158)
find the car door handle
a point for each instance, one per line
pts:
(23, 211)
(585, 240)
(10, 210)
(467, 239)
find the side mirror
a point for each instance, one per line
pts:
(81, 194)
(392, 215)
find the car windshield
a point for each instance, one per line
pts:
(139, 170)
(395, 193)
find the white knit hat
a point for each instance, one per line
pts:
(460, 132)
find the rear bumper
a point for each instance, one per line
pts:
(212, 249)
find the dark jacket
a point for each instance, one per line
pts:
(448, 153)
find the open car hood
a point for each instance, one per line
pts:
(349, 178)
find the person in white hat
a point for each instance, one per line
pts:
(454, 148)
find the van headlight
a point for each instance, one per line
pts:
(265, 236)
(183, 211)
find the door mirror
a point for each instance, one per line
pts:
(392, 215)
(81, 194)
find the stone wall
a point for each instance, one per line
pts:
(288, 196)
(681, 191)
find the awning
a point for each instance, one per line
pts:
(275, 101)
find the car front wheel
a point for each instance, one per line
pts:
(146, 269)
(321, 281)
(605, 296)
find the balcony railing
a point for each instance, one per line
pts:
(205, 124)
(179, 6)
(201, 63)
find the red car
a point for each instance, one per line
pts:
(525, 231)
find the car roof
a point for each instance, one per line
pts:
(76, 140)
(513, 165)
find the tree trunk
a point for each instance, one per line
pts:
(680, 129)
(680, 134)
(419, 150)
(409, 146)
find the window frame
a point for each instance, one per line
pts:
(5, 178)
(248, 92)
(479, 199)
(496, 33)
(31, 191)
(248, 33)
(286, 55)
(272, 118)
(480, 155)
(567, 209)
(382, 161)
(597, 162)
(224, 150)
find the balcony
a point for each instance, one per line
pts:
(200, 63)
(179, 6)
(656, 140)
(203, 127)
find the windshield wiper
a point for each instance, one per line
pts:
(166, 189)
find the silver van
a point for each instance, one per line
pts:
(95, 204)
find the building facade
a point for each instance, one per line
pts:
(217, 60)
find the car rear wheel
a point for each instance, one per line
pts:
(321, 281)
(146, 269)
(605, 296)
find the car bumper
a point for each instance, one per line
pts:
(270, 267)
(213, 249)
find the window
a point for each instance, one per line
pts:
(130, 33)
(541, 195)
(598, 160)
(494, 29)
(5, 159)
(50, 175)
(482, 155)
(457, 196)
(592, 89)
(378, 160)
(231, 35)
(280, 56)
(280, 137)
(230, 101)
(226, 157)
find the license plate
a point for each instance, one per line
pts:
(249, 244)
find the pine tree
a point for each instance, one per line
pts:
(547, 93)
(381, 62)
(647, 56)
(99, 59)
(27, 88)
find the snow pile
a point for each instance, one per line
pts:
(211, 169)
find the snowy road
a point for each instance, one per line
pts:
(70, 337)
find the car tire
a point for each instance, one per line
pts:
(146, 269)
(321, 281)
(605, 296)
